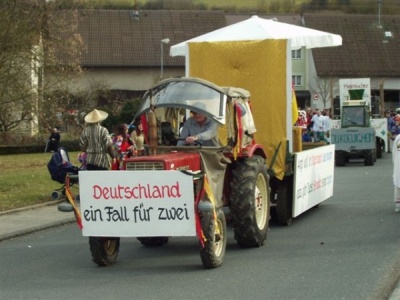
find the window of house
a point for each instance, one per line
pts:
(296, 54)
(297, 80)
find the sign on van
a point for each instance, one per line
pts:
(353, 138)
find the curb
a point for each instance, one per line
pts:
(35, 229)
(17, 233)
(15, 210)
(396, 293)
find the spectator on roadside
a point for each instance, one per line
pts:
(317, 126)
(390, 121)
(137, 136)
(54, 140)
(95, 140)
(395, 130)
(302, 123)
(309, 115)
(390, 126)
(302, 120)
(396, 116)
(122, 141)
(396, 171)
(326, 126)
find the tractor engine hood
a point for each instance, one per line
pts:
(175, 160)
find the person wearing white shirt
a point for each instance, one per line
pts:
(318, 126)
(327, 125)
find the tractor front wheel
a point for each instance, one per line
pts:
(250, 201)
(214, 230)
(104, 250)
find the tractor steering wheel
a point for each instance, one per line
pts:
(194, 144)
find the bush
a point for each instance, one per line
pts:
(71, 145)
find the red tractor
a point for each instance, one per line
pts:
(230, 181)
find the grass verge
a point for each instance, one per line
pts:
(25, 179)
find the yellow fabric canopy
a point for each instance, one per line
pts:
(259, 67)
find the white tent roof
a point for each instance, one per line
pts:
(256, 28)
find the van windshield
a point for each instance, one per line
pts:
(353, 116)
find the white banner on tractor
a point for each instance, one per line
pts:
(141, 204)
(314, 170)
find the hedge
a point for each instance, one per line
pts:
(70, 145)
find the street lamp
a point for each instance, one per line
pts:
(164, 41)
(379, 13)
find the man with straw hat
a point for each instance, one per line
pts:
(95, 140)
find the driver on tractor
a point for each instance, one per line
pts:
(199, 128)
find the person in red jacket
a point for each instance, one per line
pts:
(123, 142)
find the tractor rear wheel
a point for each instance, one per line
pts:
(153, 241)
(214, 229)
(104, 250)
(250, 201)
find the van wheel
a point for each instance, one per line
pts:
(369, 157)
(379, 145)
(340, 158)
(284, 202)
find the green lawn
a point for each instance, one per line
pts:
(25, 179)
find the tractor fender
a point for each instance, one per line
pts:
(255, 149)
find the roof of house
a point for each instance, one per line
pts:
(125, 38)
(365, 52)
(294, 19)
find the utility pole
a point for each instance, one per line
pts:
(164, 41)
(331, 92)
(382, 98)
(379, 14)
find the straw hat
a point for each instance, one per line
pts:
(96, 116)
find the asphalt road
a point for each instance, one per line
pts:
(347, 248)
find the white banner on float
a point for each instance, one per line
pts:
(313, 177)
(132, 203)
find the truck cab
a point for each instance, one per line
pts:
(355, 114)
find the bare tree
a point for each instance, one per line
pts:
(324, 87)
(34, 38)
(66, 109)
